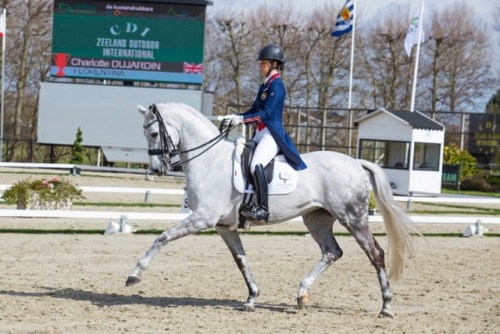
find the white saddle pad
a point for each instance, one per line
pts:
(284, 176)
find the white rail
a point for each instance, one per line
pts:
(419, 219)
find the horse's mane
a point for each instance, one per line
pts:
(184, 110)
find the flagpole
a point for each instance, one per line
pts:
(349, 103)
(415, 73)
(4, 15)
(352, 52)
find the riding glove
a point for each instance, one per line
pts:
(236, 120)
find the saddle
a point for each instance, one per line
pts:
(281, 177)
(246, 159)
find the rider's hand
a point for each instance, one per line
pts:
(237, 120)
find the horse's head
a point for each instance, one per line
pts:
(162, 140)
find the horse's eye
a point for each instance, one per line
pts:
(154, 134)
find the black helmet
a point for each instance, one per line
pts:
(272, 52)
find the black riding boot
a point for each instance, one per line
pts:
(259, 211)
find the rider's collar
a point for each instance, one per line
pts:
(271, 77)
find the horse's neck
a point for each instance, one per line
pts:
(195, 130)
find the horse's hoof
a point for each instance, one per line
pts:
(386, 314)
(132, 280)
(248, 308)
(302, 301)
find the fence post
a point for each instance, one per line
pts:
(462, 131)
(323, 130)
(297, 133)
(349, 134)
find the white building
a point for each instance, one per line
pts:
(407, 145)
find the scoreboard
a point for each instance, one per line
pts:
(154, 41)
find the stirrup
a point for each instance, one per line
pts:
(256, 213)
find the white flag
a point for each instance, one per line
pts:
(2, 23)
(412, 35)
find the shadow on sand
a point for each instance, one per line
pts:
(114, 299)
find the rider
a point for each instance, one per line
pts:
(270, 134)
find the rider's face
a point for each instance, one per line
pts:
(264, 67)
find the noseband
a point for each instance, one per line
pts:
(168, 153)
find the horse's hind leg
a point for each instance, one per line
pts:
(375, 253)
(233, 242)
(319, 223)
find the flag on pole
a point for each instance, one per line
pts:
(344, 19)
(2, 23)
(412, 35)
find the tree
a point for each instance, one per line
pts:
(77, 150)
(460, 59)
(455, 156)
(233, 36)
(27, 64)
(384, 66)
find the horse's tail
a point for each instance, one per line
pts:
(397, 223)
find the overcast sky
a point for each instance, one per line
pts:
(370, 7)
(485, 9)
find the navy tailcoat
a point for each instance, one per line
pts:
(268, 109)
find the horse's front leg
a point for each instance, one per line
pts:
(193, 223)
(233, 242)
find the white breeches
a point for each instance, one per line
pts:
(266, 148)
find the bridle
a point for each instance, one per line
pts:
(168, 153)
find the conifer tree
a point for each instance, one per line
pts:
(77, 150)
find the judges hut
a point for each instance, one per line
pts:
(407, 145)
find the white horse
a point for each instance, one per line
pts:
(333, 187)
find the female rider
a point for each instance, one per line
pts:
(270, 134)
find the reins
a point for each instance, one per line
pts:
(168, 154)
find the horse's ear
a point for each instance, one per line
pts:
(153, 108)
(142, 109)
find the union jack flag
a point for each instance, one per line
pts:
(192, 68)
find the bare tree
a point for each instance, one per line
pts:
(233, 36)
(28, 63)
(460, 69)
(496, 28)
(386, 68)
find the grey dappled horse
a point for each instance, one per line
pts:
(333, 187)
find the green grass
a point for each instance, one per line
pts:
(471, 193)
(460, 209)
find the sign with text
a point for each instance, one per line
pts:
(127, 40)
(484, 138)
(451, 175)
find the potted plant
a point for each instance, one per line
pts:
(42, 194)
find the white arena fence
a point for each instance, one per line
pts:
(419, 219)
(430, 219)
(423, 198)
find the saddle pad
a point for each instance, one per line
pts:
(284, 179)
